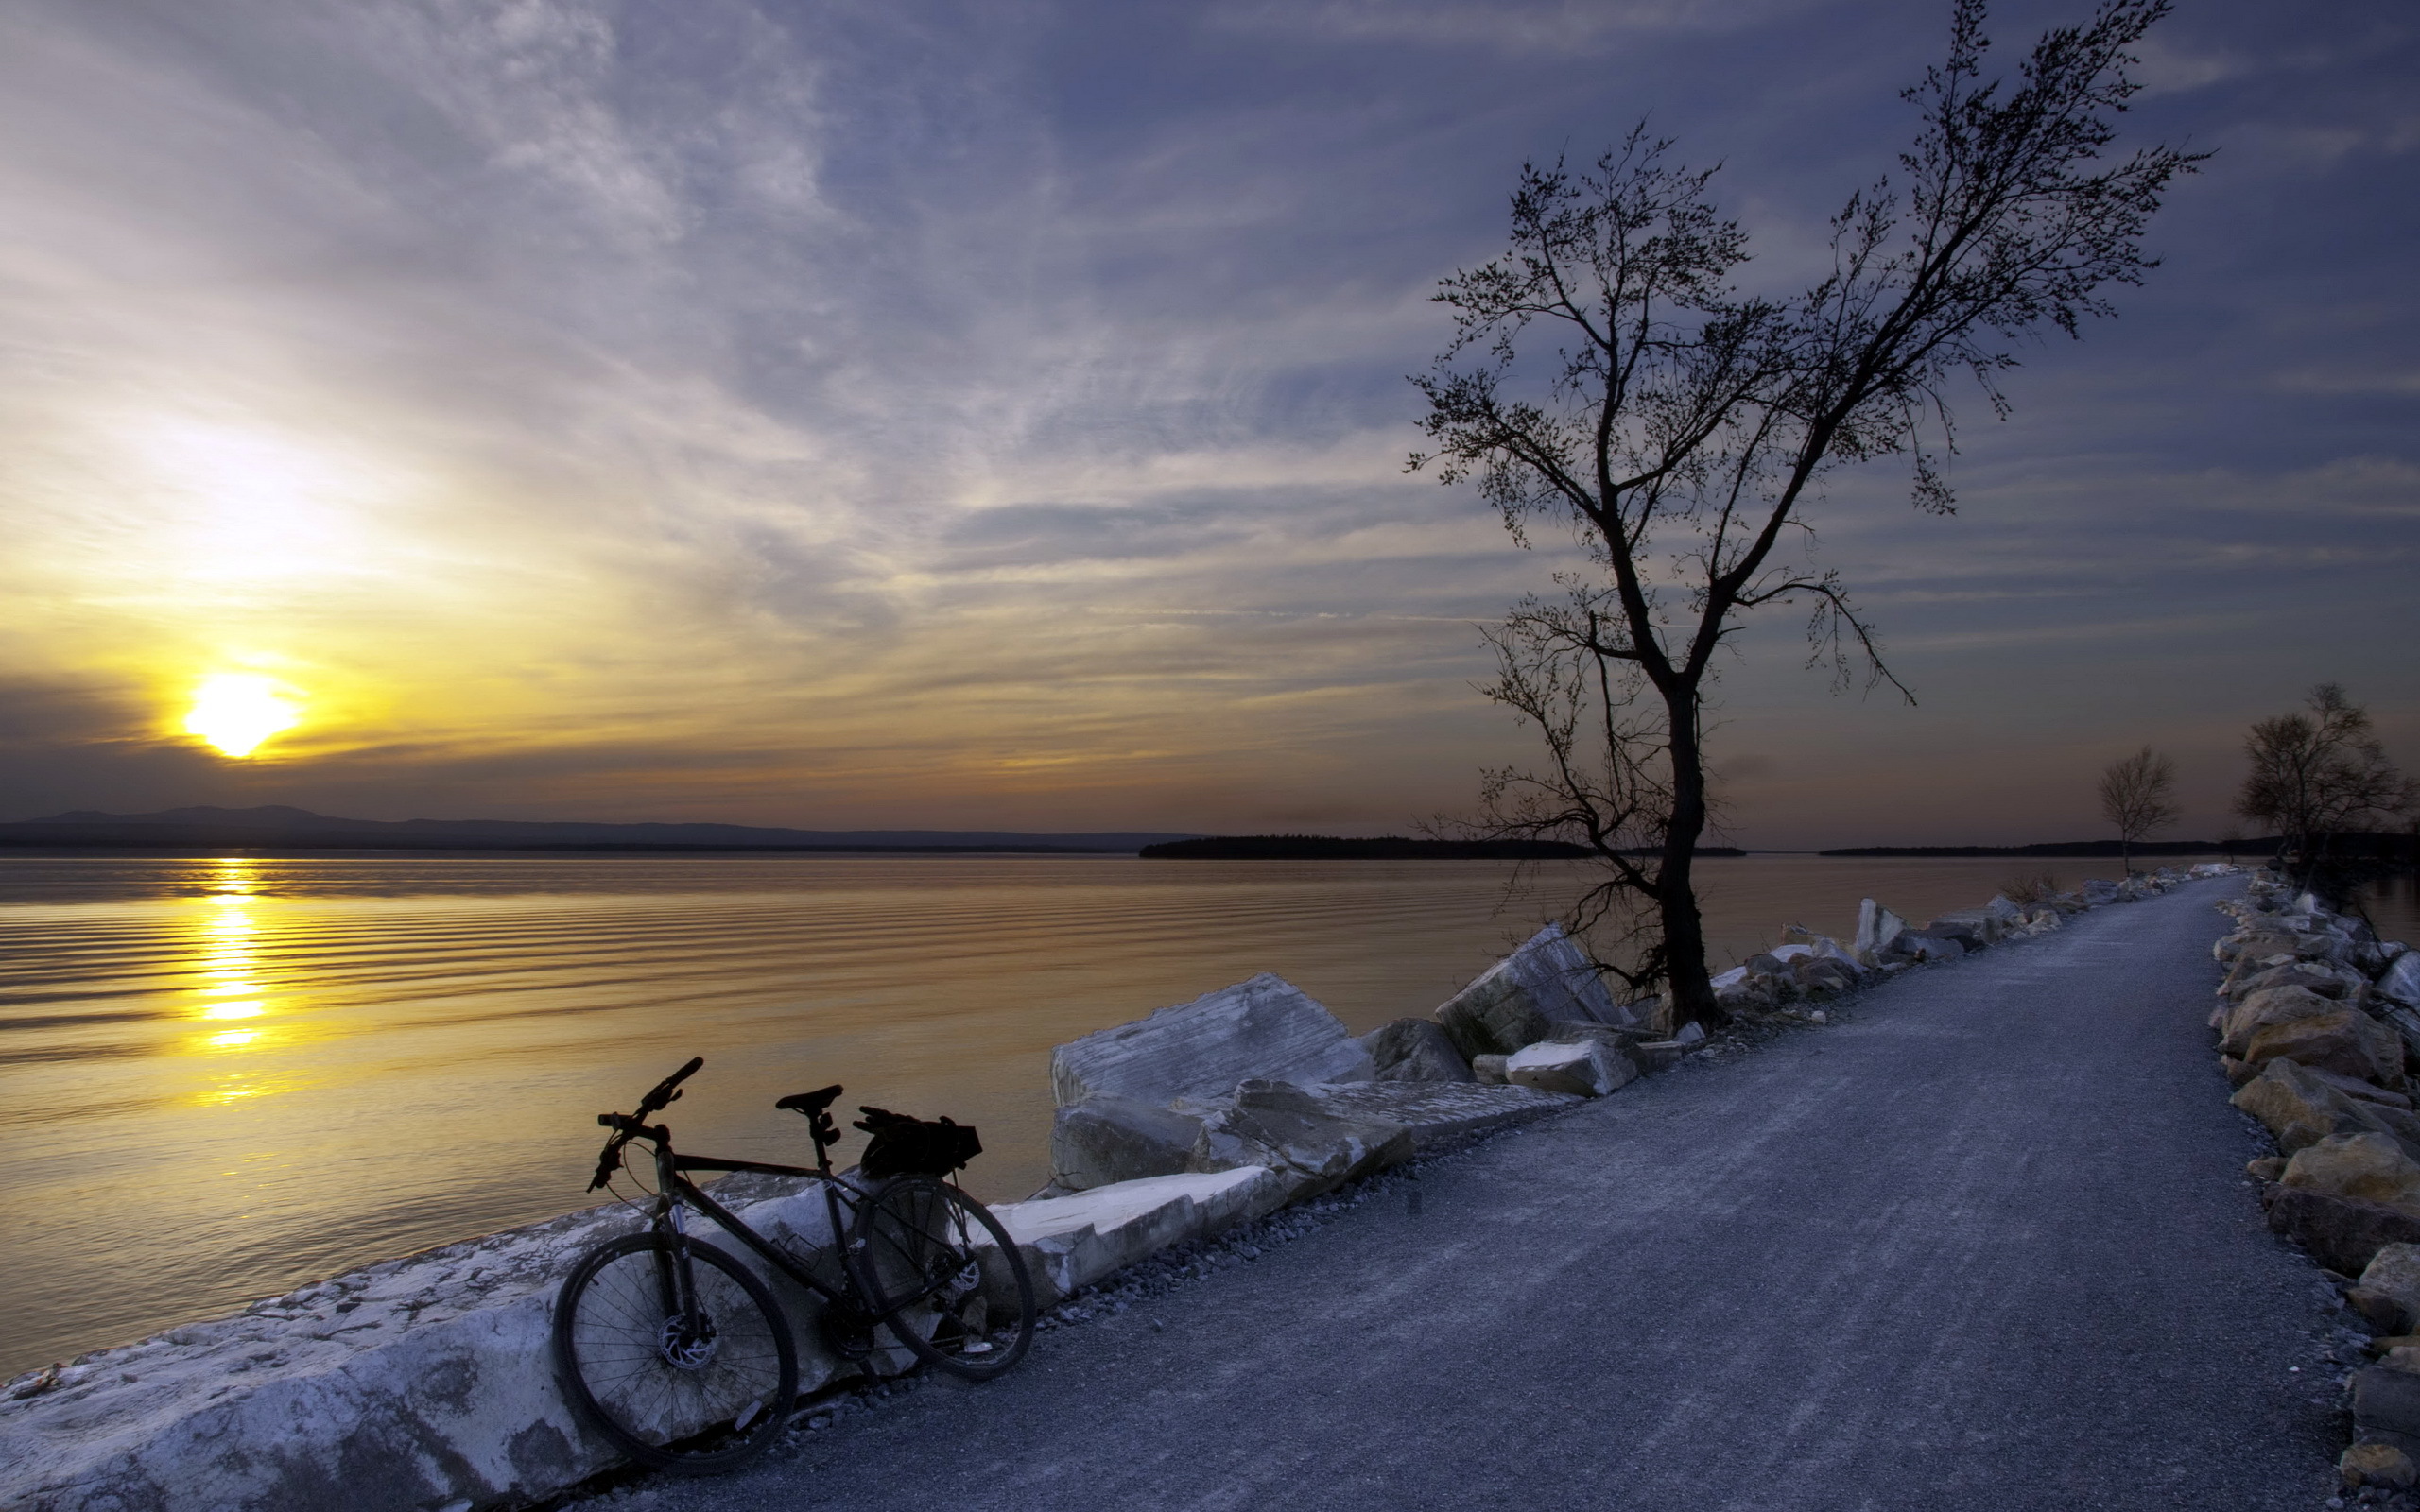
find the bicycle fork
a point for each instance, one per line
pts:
(687, 1340)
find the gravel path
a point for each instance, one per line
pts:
(1986, 1244)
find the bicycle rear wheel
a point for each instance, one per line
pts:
(917, 1250)
(696, 1391)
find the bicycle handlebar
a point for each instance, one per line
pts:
(628, 1126)
(665, 1093)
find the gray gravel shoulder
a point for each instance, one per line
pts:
(1988, 1243)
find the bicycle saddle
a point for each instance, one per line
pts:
(809, 1104)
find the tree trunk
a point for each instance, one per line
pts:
(1692, 989)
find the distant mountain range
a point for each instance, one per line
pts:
(277, 826)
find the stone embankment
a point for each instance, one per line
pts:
(423, 1383)
(2318, 1024)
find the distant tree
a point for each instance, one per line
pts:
(2322, 773)
(2136, 798)
(1606, 375)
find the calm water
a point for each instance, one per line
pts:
(221, 1078)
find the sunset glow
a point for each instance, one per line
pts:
(235, 711)
(565, 455)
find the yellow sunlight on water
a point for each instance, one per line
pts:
(236, 711)
(227, 963)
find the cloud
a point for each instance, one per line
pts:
(825, 413)
(1527, 26)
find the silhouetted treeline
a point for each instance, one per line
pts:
(2073, 848)
(1384, 848)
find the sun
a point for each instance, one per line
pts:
(236, 711)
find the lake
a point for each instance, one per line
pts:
(224, 1076)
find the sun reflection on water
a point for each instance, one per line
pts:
(230, 987)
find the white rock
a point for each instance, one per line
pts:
(413, 1383)
(1071, 1242)
(1439, 1112)
(1586, 1070)
(1266, 1027)
(1548, 980)
(1102, 1140)
(1283, 1127)
(1877, 929)
(2401, 979)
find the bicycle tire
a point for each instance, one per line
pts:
(911, 1251)
(615, 1344)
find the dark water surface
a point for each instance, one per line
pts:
(221, 1078)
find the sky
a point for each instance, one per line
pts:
(993, 414)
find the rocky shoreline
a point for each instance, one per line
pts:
(2318, 1024)
(423, 1383)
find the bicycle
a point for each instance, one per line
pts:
(684, 1358)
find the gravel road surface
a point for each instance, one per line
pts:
(1988, 1244)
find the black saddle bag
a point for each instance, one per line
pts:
(911, 1147)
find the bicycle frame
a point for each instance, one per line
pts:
(674, 1190)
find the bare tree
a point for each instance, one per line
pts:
(2137, 796)
(1681, 428)
(2320, 774)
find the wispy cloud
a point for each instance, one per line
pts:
(827, 413)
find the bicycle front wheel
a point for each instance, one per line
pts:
(917, 1250)
(698, 1388)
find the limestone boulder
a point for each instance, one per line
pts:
(1964, 931)
(1415, 1050)
(2363, 1092)
(1624, 1042)
(419, 1382)
(1877, 928)
(1587, 1069)
(1109, 1139)
(2386, 1405)
(1071, 1242)
(2336, 982)
(1511, 1003)
(2404, 1022)
(2283, 1003)
(2376, 1462)
(1488, 1070)
(2389, 1292)
(1921, 946)
(1266, 1027)
(2344, 1040)
(1438, 1113)
(1736, 989)
(2339, 1232)
(1283, 1127)
(1971, 927)
(1824, 976)
(2293, 1104)
(2261, 940)
(2369, 1168)
(2400, 981)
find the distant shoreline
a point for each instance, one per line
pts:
(254, 841)
(1383, 848)
(2066, 848)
